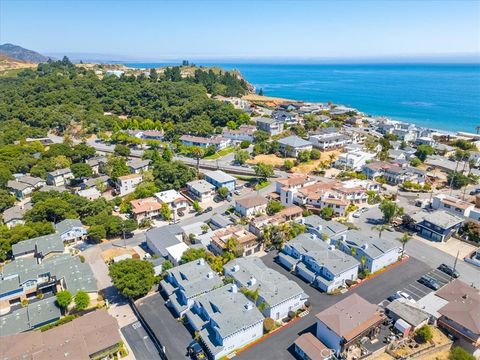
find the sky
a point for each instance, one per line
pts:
(222, 29)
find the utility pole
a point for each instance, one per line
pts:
(454, 265)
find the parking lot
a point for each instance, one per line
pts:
(418, 291)
(142, 346)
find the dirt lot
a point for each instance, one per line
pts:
(439, 339)
(269, 159)
(109, 254)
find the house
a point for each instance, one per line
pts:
(346, 322)
(175, 201)
(353, 160)
(99, 181)
(318, 262)
(185, 282)
(14, 215)
(247, 243)
(411, 313)
(219, 142)
(137, 166)
(271, 126)
(201, 190)
(86, 337)
(308, 347)
(288, 118)
(321, 228)
(461, 316)
(71, 230)
(374, 252)
(143, 209)
(39, 247)
(25, 277)
(396, 175)
(166, 241)
(279, 295)
(34, 181)
(251, 205)
(424, 140)
(19, 189)
(225, 320)
(243, 133)
(126, 184)
(292, 145)
(258, 224)
(97, 164)
(452, 204)
(219, 179)
(327, 139)
(375, 169)
(153, 135)
(90, 193)
(23, 319)
(437, 226)
(288, 187)
(59, 177)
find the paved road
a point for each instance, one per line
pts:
(140, 343)
(279, 346)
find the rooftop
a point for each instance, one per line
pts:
(219, 176)
(137, 163)
(371, 245)
(144, 205)
(252, 201)
(201, 186)
(67, 225)
(312, 347)
(409, 312)
(441, 218)
(168, 196)
(15, 212)
(60, 172)
(294, 141)
(43, 244)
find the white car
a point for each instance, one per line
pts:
(406, 296)
(356, 214)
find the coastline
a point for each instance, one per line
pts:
(444, 97)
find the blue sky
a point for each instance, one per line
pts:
(162, 30)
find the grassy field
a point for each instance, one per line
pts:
(220, 153)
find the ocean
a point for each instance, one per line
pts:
(438, 96)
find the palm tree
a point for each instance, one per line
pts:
(458, 157)
(353, 251)
(471, 164)
(198, 154)
(363, 261)
(404, 240)
(380, 229)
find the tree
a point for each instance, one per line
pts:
(198, 153)
(5, 176)
(268, 324)
(232, 246)
(196, 206)
(260, 136)
(326, 213)
(121, 150)
(167, 154)
(81, 170)
(244, 144)
(223, 192)
(423, 151)
(264, 171)
(82, 300)
(116, 166)
(274, 207)
(304, 156)
(133, 278)
(404, 240)
(193, 254)
(457, 180)
(165, 211)
(97, 233)
(172, 175)
(424, 334)
(315, 154)
(242, 156)
(64, 298)
(457, 353)
(6, 200)
(166, 265)
(288, 164)
(145, 189)
(380, 228)
(415, 162)
(390, 211)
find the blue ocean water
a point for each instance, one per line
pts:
(439, 96)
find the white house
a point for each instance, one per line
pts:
(251, 205)
(452, 205)
(175, 200)
(319, 263)
(293, 145)
(353, 160)
(279, 294)
(271, 126)
(71, 230)
(377, 252)
(225, 320)
(59, 177)
(201, 190)
(136, 166)
(126, 184)
(185, 282)
(219, 142)
(167, 242)
(243, 133)
(328, 139)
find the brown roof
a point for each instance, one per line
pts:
(296, 179)
(312, 347)
(251, 201)
(457, 203)
(76, 340)
(463, 304)
(129, 176)
(145, 205)
(237, 232)
(350, 317)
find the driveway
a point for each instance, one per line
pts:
(279, 345)
(140, 343)
(170, 332)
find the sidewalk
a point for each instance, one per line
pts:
(451, 247)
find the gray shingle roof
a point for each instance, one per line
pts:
(272, 286)
(67, 225)
(15, 212)
(408, 312)
(202, 186)
(373, 246)
(219, 176)
(60, 172)
(163, 237)
(43, 244)
(17, 185)
(330, 228)
(442, 218)
(294, 141)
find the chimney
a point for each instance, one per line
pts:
(319, 228)
(234, 288)
(249, 306)
(210, 275)
(235, 268)
(252, 281)
(343, 237)
(201, 261)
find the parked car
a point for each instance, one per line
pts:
(356, 214)
(208, 209)
(217, 199)
(406, 296)
(393, 297)
(195, 351)
(475, 192)
(237, 192)
(449, 270)
(429, 282)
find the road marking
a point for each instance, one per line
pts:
(441, 276)
(423, 288)
(136, 325)
(420, 290)
(412, 293)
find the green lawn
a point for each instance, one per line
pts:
(261, 185)
(220, 153)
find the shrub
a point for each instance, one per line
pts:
(424, 334)
(292, 314)
(457, 353)
(24, 302)
(82, 300)
(315, 154)
(268, 324)
(244, 144)
(82, 258)
(59, 322)
(40, 296)
(64, 298)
